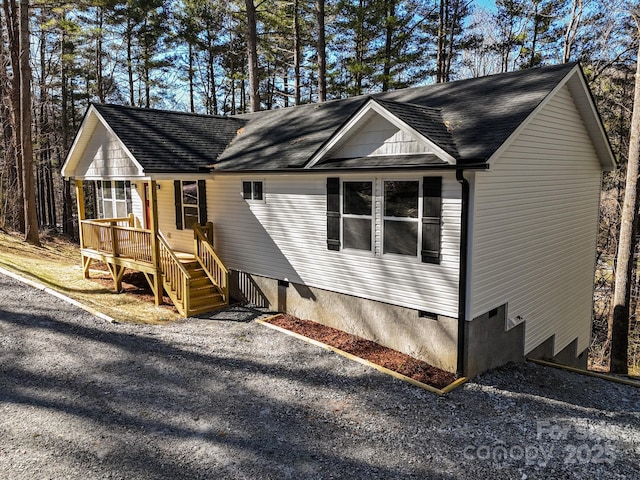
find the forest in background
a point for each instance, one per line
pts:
(230, 57)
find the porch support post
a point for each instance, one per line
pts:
(81, 217)
(155, 250)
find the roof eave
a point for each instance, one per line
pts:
(299, 170)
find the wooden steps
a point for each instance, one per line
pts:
(204, 296)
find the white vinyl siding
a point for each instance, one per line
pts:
(286, 238)
(380, 137)
(535, 219)
(104, 157)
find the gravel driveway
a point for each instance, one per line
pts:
(222, 398)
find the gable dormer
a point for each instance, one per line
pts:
(382, 129)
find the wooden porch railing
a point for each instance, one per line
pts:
(121, 244)
(209, 260)
(117, 237)
(176, 277)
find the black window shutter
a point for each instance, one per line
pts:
(202, 201)
(333, 213)
(431, 219)
(177, 193)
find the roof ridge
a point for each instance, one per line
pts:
(160, 110)
(409, 104)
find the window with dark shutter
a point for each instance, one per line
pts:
(190, 204)
(190, 198)
(333, 213)
(431, 218)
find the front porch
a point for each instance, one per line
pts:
(196, 282)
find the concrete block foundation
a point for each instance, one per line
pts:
(432, 338)
(489, 345)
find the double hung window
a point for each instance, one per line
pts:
(409, 211)
(113, 198)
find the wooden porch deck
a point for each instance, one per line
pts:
(196, 282)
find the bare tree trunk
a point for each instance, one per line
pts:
(10, 203)
(100, 55)
(67, 201)
(129, 35)
(618, 334)
(13, 32)
(285, 88)
(450, 44)
(322, 52)
(192, 105)
(252, 55)
(442, 40)
(212, 89)
(296, 52)
(31, 219)
(390, 13)
(577, 7)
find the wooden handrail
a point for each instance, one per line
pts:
(123, 221)
(175, 276)
(209, 260)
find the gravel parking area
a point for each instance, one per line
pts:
(224, 397)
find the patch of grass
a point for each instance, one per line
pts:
(57, 265)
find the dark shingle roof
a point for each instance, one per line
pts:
(286, 137)
(469, 119)
(163, 141)
(477, 114)
(481, 113)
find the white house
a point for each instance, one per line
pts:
(454, 222)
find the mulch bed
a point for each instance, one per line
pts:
(367, 350)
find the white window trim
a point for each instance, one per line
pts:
(371, 217)
(113, 200)
(252, 181)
